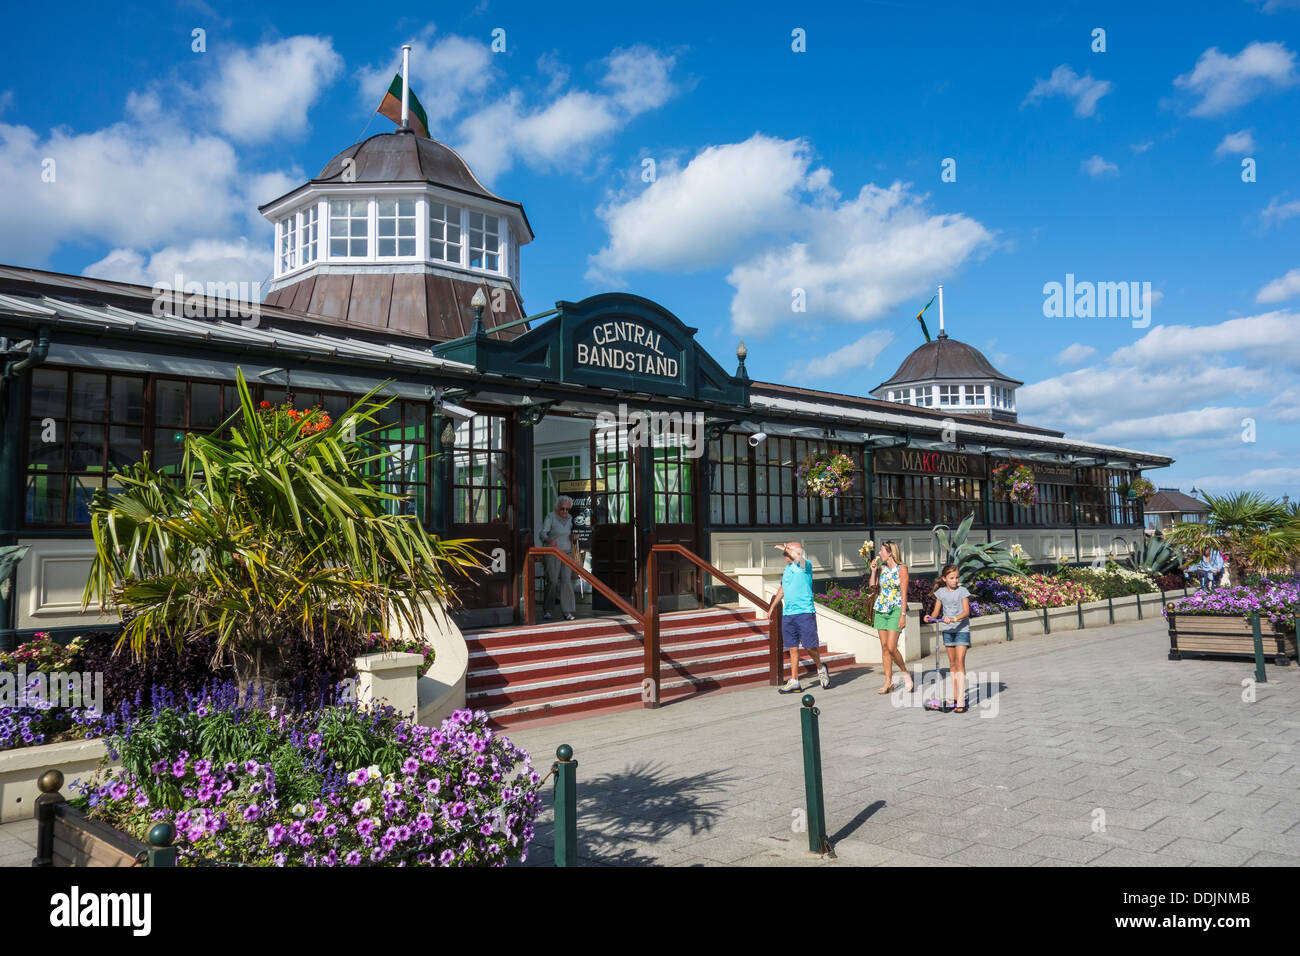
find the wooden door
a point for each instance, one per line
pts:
(613, 520)
(483, 506)
(674, 520)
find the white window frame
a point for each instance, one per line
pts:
(286, 256)
(500, 235)
(370, 229)
(415, 216)
(304, 228)
(461, 220)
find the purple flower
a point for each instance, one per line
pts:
(275, 835)
(252, 812)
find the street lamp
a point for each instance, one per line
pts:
(478, 303)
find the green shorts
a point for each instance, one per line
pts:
(888, 620)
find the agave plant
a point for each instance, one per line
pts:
(1155, 557)
(10, 555)
(973, 558)
(269, 535)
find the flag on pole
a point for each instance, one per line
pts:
(922, 321)
(392, 108)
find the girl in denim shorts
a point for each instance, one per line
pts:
(952, 607)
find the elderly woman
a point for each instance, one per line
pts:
(556, 532)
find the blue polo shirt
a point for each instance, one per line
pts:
(798, 585)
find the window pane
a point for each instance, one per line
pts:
(123, 446)
(45, 455)
(89, 392)
(127, 399)
(86, 447)
(49, 393)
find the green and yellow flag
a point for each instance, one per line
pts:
(918, 315)
(392, 107)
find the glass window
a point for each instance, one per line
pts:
(310, 235)
(444, 232)
(349, 228)
(484, 242)
(82, 427)
(480, 491)
(949, 394)
(288, 232)
(396, 227)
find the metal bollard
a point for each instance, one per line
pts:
(161, 852)
(818, 842)
(566, 807)
(46, 810)
(1260, 676)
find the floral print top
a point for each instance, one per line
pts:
(890, 596)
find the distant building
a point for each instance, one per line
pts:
(1169, 505)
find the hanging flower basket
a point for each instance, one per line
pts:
(1139, 489)
(826, 475)
(1016, 480)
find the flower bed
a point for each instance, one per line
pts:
(1275, 601)
(1040, 591)
(335, 786)
(1111, 581)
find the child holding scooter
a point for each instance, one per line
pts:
(952, 608)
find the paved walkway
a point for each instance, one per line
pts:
(1091, 748)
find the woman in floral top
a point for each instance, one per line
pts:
(890, 610)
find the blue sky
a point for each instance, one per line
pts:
(774, 170)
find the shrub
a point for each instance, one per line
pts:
(1039, 591)
(851, 602)
(1109, 582)
(993, 596)
(336, 786)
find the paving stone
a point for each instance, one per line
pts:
(1201, 851)
(1122, 856)
(1056, 848)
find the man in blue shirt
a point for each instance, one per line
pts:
(1209, 569)
(798, 616)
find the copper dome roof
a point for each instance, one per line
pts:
(944, 359)
(404, 157)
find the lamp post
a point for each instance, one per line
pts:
(741, 354)
(478, 303)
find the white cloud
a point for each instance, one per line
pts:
(563, 131)
(1241, 141)
(1142, 147)
(1192, 423)
(202, 260)
(1097, 167)
(1075, 353)
(1254, 479)
(761, 204)
(698, 216)
(1276, 212)
(1270, 335)
(1279, 290)
(1083, 90)
(860, 354)
(265, 92)
(1225, 82)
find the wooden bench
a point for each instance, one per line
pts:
(1227, 635)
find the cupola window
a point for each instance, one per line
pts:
(396, 227)
(444, 232)
(484, 242)
(349, 228)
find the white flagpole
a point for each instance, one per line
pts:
(941, 331)
(406, 86)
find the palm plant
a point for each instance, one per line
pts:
(277, 533)
(973, 559)
(1261, 533)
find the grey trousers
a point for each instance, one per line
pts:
(561, 575)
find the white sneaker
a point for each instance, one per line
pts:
(825, 678)
(791, 686)
(546, 616)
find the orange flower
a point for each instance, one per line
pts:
(264, 405)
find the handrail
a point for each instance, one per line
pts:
(730, 581)
(774, 642)
(596, 584)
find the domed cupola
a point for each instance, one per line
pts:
(951, 376)
(396, 234)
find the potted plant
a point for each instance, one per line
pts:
(826, 474)
(1016, 481)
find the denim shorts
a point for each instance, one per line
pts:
(799, 630)
(957, 638)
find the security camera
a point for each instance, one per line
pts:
(757, 439)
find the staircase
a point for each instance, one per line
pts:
(521, 674)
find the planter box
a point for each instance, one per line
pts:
(81, 841)
(1229, 636)
(1096, 613)
(845, 634)
(19, 770)
(1026, 623)
(1063, 618)
(988, 629)
(1126, 608)
(1151, 604)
